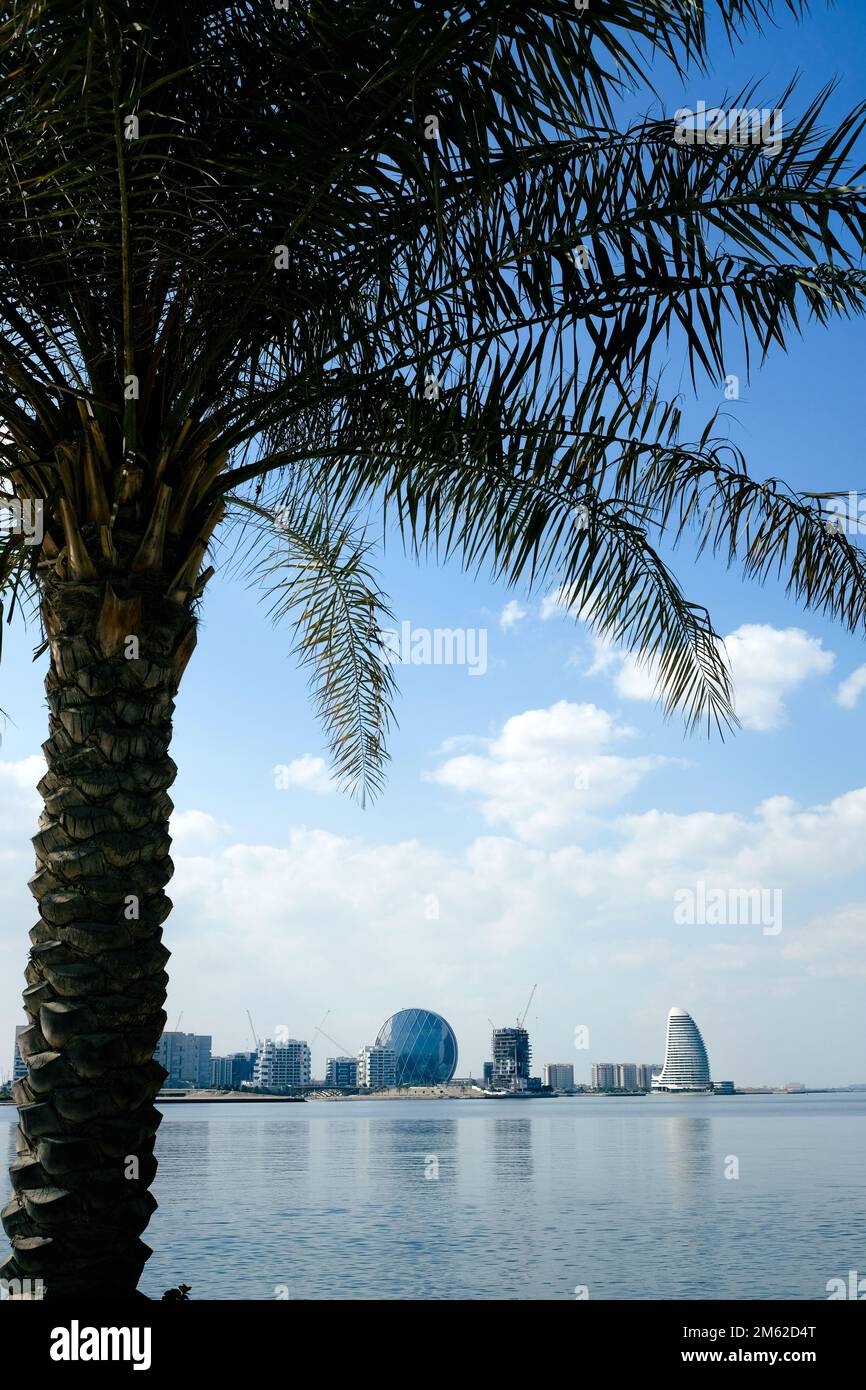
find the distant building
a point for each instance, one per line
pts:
(686, 1066)
(645, 1073)
(342, 1072)
(221, 1072)
(282, 1066)
(724, 1088)
(603, 1076)
(245, 1065)
(230, 1072)
(19, 1066)
(487, 1073)
(559, 1076)
(512, 1055)
(186, 1057)
(424, 1044)
(794, 1086)
(377, 1068)
(624, 1076)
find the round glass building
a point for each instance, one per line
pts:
(424, 1044)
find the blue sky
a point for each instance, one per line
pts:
(295, 902)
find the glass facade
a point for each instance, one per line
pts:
(425, 1046)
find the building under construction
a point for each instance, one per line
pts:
(512, 1055)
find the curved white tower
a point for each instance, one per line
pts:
(686, 1066)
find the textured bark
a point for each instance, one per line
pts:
(96, 976)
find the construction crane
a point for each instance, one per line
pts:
(177, 1025)
(253, 1030)
(322, 1024)
(344, 1050)
(526, 1010)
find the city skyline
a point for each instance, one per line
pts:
(320, 1054)
(179, 1052)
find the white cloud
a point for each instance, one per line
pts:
(20, 803)
(547, 770)
(767, 664)
(850, 689)
(832, 946)
(635, 679)
(191, 827)
(362, 926)
(780, 843)
(461, 743)
(559, 603)
(309, 773)
(511, 615)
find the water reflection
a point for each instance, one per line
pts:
(511, 1147)
(531, 1199)
(690, 1152)
(408, 1149)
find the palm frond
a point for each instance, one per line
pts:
(313, 568)
(764, 527)
(237, 249)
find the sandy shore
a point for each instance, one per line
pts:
(211, 1097)
(413, 1093)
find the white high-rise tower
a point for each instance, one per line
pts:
(686, 1066)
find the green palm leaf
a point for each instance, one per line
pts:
(237, 250)
(312, 566)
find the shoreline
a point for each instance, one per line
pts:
(431, 1093)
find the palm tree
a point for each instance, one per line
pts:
(273, 270)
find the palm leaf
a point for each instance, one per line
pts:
(313, 568)
(232, 260)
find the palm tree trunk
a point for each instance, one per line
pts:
(96, 976)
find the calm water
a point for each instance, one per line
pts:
(532, 1198)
